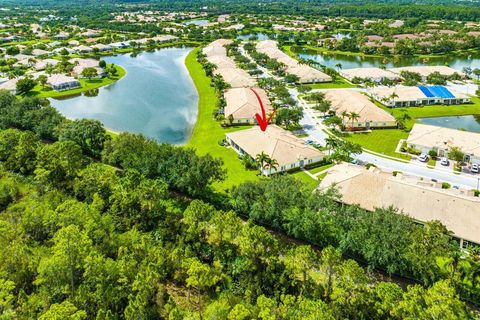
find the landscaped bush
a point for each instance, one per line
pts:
(433, 154)
(446, 185)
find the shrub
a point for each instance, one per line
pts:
(445, 185)
(433, 154)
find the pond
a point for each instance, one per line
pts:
(259, 35)
(198, 22)
(467, 123)
(156, 97)
(458, 61)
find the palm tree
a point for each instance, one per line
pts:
(344, 115)
(353, 116)
(261, 159)
(331, 143)
(271, 164)
(338, 66)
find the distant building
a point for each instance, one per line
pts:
(43, 64)
(425, 71)
(372, 74)
(289, 151)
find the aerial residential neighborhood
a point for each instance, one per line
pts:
(240, 160)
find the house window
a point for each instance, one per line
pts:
(292, 165)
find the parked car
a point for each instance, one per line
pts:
(474, 168)
(423, 157)
(444, 162)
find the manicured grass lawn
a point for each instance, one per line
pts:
(85, 86)
(338, 83)
(309, 181)
(383, 141)
(321, 168)
(208, 132)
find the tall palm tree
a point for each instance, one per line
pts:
(271, 164)
(338, 66)
(261, 159)
(344, 115)
(353, 116)
(331, 143)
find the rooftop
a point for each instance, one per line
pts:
(242, 103)
(278, 143)
(422, 200)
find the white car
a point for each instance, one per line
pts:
(474, 168)
(423, 157)
(444, 162)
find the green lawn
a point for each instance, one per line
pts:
(85, 86)
(208, 132)
(321, 168)
(338, 83)
(309, 181)
(383, 141)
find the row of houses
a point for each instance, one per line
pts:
(216, 54)
(242, 102)
(58, 82)
(420, 199)
(378, 74)
(305, 73)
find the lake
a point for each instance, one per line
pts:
(156, 97)
(457, 61)
(468, 123)
(260, 36)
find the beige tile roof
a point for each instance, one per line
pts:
(354, 101)
(368, 73)
(236, 77)
(278, 143)
(425, 71)
(304, 72)
(403, 93)
(242, 103)
(433, 136)
(421, 200)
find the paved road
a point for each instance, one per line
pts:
(314, 130)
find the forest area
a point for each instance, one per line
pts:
(126, 228)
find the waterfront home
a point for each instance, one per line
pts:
(369, 115)
(101, 47)
(61, 82)
(425, 71)
(43, 64)
(281, 145)
(425, 137)
(403, 96)
(420, 199)
(305, 73)
(120, 45)
(81, 64)
(242, 104)
(372, 74)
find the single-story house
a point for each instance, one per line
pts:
(61, 82)
(243, 104)
(281, 145)
(372, 74)
(10, 85)
(427, 137)
(40, 52)
(403, 96)
(370, 116)
(82, 49)
(101, 47)
(43, 64)
(425, 71)
(422, 200)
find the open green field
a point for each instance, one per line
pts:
(385, 141)
(85, 86)
(208, 132)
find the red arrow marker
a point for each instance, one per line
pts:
(262, 120)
